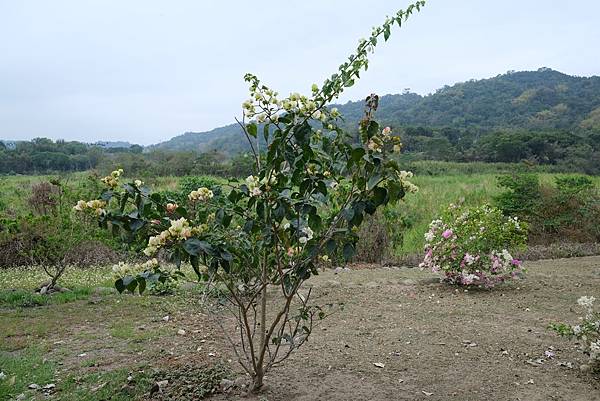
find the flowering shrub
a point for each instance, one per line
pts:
(273, 229)
(471, 246)
(159, 281)
(587, 331)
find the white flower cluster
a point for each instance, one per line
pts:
(468, 278)
(378, 142)
(123, 269)
(254, 184)
(264, 105)
(586, 302)
(96, 205)
(179, 230)
(469, 259)
(404, 179)
(434, 226)
(502, 261)
(305, 234)
(112, 180)
(201, 194)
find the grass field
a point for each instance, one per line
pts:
(439, 185)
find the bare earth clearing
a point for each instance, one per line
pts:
(435, 342)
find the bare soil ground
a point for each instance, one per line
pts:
(435, 342)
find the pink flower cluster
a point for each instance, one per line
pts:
(466, 252)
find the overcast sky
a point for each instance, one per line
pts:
(147, 70)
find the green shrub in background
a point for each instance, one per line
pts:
(574, 186)
(568, 211)
(191, 183)
(44, 231)
(380, 233)
(522, 196)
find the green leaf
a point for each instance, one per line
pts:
(130, 283)
(234, 196)
(379, 196)
(120, 286)
(195, 262)
(249, 226)
(182, 211)
(348, 251)
(136, 224)
(141, 284)
(252, 129)
(106, 196)
(330, 246)
(195, 247)
(370, 207)
(357, 154)
(373, 181)
(226, 255)
(348, 214)
(314, 220)
(373, 129)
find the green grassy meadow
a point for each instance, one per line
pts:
(439, 183)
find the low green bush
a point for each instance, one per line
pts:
(522, 196)
(188, 184)
(566, 211)
(46, 232)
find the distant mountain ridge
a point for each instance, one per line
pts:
(534, 100)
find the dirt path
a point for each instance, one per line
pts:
(436, 342)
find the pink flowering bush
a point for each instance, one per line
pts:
(472, 246)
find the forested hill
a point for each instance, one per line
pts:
(539, 100)
(542, 99)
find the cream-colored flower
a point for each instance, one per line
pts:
(80, 206)
(374, 146)
(177, 226)
(201, 194)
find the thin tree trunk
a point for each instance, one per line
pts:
(259, 372)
